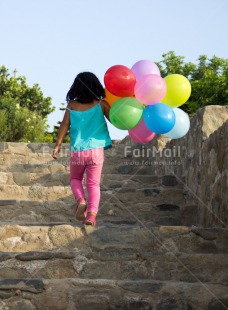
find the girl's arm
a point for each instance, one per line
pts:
(106, 109)
(61, 133)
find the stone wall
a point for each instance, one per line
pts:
(199, 160)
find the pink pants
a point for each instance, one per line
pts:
(91, 162)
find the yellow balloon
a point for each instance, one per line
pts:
(178, 90)
(110, 98)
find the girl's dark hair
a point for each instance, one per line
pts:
(86, 88)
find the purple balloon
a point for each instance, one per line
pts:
(141, 133)
(150, 89)
(143, 67)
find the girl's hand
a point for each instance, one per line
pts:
(55, 151)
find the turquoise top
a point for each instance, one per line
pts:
(88, 129)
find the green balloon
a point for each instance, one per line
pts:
(126, 113)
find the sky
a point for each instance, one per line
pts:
(51, 41)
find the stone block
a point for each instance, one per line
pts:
(35, 255)
(140, 286)
(174, 303)
(3, 177)
(218, 304)
(28, 285)
(151, 191)
(169, 180)
(21, 178)
(64, 235)
(125, 169)
(168, 207)
(8, 202)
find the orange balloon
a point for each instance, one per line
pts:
(110, 98)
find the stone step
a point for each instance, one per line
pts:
(23, 162)
(26, 212)
(11, 159)
(101, 294)
(116, 264)
(26, 149)
(115, 162)
(136, 181)
(35, 192)
(152, 195)
(23, 155)
(43, 164)
(20, 157)
(15, 238)
(47, 165)
(118, 153)
(144, 194)
(34, 167)
(28, 179)
(115, 181)
(36, 158)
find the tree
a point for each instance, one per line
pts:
(208, 78)
(16, 88)
(20, 124)
(56, 129)
(23, 110)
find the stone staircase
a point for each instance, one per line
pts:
(147, 251)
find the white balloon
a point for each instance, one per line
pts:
(181, 126)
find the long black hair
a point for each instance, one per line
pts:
(86, 88)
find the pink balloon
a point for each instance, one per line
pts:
(141, 133)
(150, 89)
(143, 67)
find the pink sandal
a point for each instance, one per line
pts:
(80, 209)
(90, 220)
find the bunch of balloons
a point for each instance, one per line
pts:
(146, 104)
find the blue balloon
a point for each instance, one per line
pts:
(159, 118)
(181, 126)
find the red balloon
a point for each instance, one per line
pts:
(120, 81)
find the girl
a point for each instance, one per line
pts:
(89, 137)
